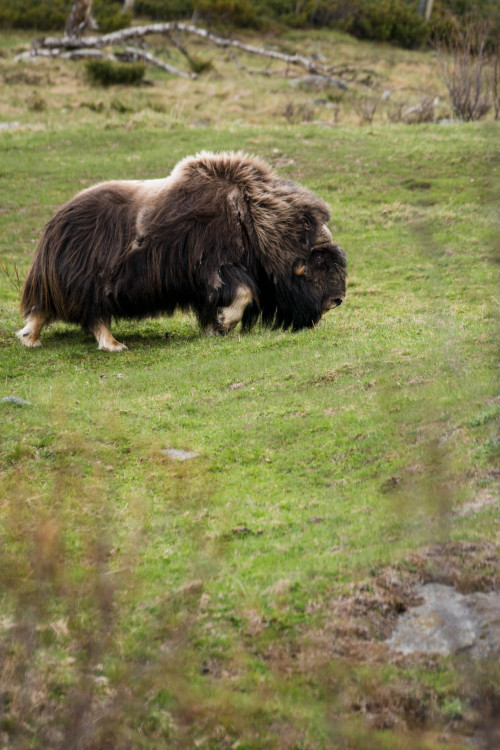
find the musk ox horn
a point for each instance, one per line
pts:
(300, 270)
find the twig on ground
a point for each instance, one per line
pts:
(16, 282)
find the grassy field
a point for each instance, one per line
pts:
(241, 599)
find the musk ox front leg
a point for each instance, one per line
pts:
(105, 340)
(232, 289)
(30, 334)
(229, 316)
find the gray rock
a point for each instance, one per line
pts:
(15, 400)
(179, 455)
(448, 622)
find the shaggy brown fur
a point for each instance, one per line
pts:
(223, 236)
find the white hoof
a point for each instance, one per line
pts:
(109, 347)
(26, 338)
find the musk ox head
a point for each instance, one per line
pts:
(317, 285)
(271, 235)
(223, 235)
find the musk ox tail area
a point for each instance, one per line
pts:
(79, 246)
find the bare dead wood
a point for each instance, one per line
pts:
(169, 29)
(466, 67)
(80, 18)
(135, 53)
(130, 54)
(240, 66)
(34, 52)
(72, 54)
(428, 9)
(425, 8)
(182, 49)
(78, 54)
(138, 32)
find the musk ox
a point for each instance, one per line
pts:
(223, 236)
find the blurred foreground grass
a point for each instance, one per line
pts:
(240, 599)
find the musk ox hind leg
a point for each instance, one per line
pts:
(105, 340)
(30, 334)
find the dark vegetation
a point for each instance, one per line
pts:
(109, 72)
(395, 21)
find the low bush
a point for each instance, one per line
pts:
(34, 14)
(159, 10)
(389, 21)
(51, 15)
(110, 73)
(223, 12)
(469, 71)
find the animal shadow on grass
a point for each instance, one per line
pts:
(60, 338)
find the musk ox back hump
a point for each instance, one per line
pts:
(278, 218)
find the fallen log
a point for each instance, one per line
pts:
(139, 32)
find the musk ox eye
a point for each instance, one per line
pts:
(318, 260)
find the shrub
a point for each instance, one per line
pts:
(389, 21)
(49, 15)
(335, 13)
(468, 70)
(109, 73)
(233, 12)
(159, 10)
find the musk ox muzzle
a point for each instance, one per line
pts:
(222, 236)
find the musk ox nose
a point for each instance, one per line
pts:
(331, 302)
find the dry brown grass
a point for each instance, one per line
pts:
(226, 92)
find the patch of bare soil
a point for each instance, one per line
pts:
(370, 611)
(468, 566)
(354, 628)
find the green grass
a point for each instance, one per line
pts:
(212, 603)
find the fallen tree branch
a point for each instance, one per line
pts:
(244, 68)
(182, 49)
(72, 54)
(138, 32)
(129, 54)
(135, 53)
